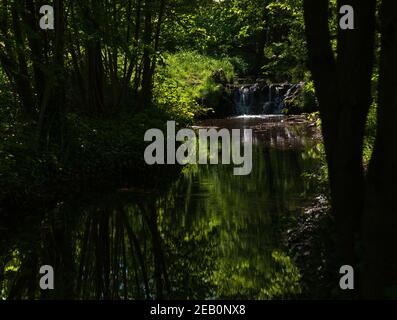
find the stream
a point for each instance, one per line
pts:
(208, 235)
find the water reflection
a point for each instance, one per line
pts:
(209, 235)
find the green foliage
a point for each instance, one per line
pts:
(218, 27)
(307, 100)
(19, 161)
(257, 31)
(240, 65)
(285, 52)
(318, 178)
(186, 79)
(94, 146)
(97, 144)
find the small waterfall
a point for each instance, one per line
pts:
(260, 98)
(242, 106)
(244, 100)
(279, 101)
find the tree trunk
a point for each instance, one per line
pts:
(261, 43)
(51, 125)
(22, 75)
(343, 87)
(146, 90)
(157, 39)
(380, 222)
(95, 78)
(35, 37)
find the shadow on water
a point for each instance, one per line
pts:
(209, 235)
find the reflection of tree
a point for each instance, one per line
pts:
(211, 235)
(135, 251)
(23, 283)
(242, 216)
(122, 255)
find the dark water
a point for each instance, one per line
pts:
(209, 234)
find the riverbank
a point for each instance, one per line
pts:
(98, 153)
(107, 146)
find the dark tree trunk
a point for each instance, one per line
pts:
(22, 74)
(146, 90)
(51, 125)
(157, 38)
(380, 222)
(36, 45)
(95, 78)
(343, 87)
(135, 54)
(57, 105)
(260, 43)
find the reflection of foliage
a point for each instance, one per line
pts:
(285, 281)
(274, 277)
(209, 235)
(9, 268)
(230, 233)
(191, 263)
(241, 278)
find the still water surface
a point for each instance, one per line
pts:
(209, 235)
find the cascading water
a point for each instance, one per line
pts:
(259, 98)
(242, 105)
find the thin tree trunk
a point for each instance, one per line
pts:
(157, 43)
(95, 77)
(145, 95)
(36, 47)
(261, 42)
(23, 82)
